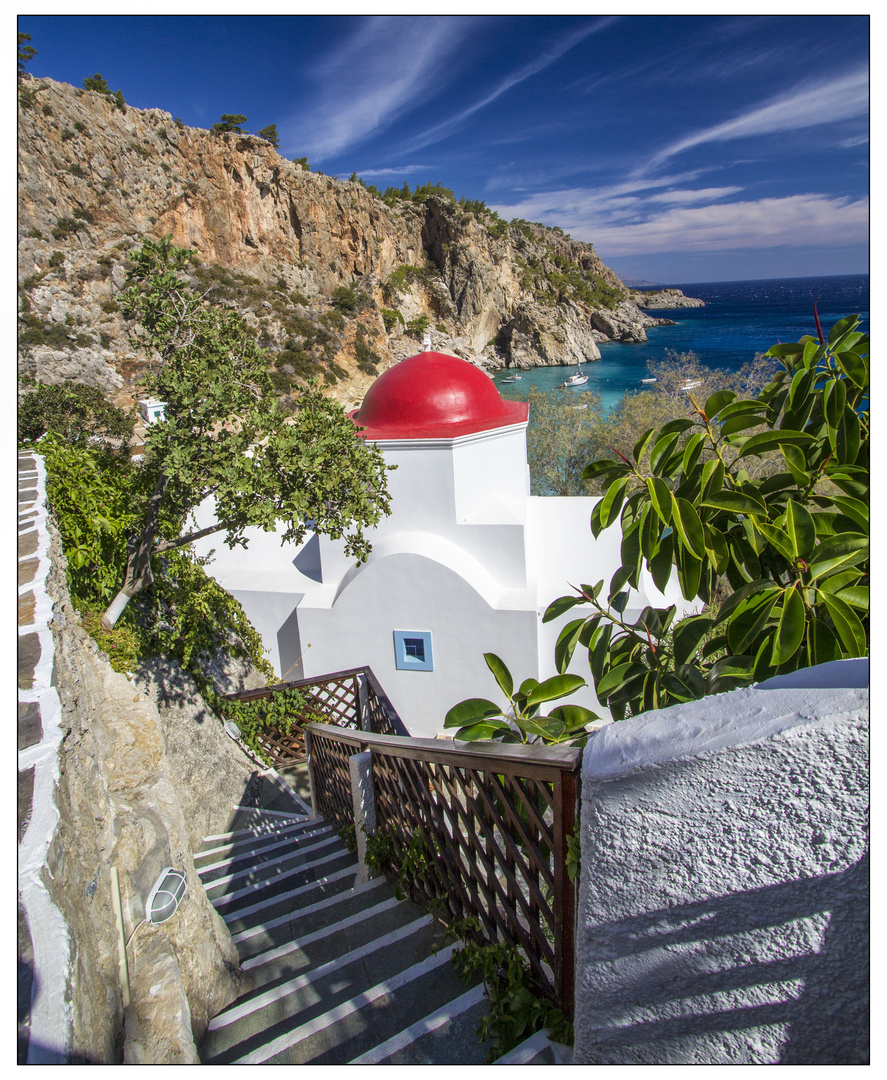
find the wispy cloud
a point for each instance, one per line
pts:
(813, 104)
(379, 73)
(621, 225)
(543, 61)
(400, 170)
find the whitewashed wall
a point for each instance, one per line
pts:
(723, 913)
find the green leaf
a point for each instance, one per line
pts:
(777, 538)
(735, 502)
(855, 367)
(740, 423)
(857, 596)
(660, 497)
(689, 573)
(718, 400)
(774, 440)
(486, 729)
(855, 509)
(687, 636)
(834, 400)
(790, 628)
(501, 673)
(642, 445)
(557, 686)
(471, 711)
(712, 477)
(797, 464)
(566, 644)
(661, 451)
(749, 619)
(612, 501)
(661, 564)
(689, 527)
(848, 626)
(560, 606)
(800, 529)
(615, 678)
(573, 717)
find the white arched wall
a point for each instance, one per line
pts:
(408, 591)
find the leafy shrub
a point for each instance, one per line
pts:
(56, 258)
(418, 325)
(391, 317)
(74, 412)
(98, 499)
(97, 83)
(346, 300)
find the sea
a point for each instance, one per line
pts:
(740, 319)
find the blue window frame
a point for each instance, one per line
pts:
(412, 650)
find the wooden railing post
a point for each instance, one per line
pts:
(311, 779)
(360, 767)
(364, 720)
(566, 793)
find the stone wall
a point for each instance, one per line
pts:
(145, 772)
(724, 896)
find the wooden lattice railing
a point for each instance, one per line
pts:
(348, 699)
(482, 831)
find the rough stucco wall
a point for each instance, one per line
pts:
(724, 899)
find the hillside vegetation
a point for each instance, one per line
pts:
(337, 279)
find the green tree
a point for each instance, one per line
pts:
(75, 412)
(565, 431)
(230, 122)
(97, 83)
(791, 549)
(224, 435)
(303, 161)
(26, 53)
(268, 133)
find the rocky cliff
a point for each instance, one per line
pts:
(337, 281)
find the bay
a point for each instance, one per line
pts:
(740, 319)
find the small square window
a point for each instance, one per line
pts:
(412, 650)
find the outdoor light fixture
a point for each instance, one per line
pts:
(232, 729)
(165, 897)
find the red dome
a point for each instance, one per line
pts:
(434, 396)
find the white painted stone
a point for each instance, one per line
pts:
(723, 898)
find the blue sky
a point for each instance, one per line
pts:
(685, 148)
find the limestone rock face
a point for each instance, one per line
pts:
(276, 242)
(666, 298)
(141, 784)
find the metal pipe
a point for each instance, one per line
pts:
(121, 939)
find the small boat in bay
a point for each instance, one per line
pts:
(578, 378)
(511, 378)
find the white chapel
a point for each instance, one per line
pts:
(466, 563)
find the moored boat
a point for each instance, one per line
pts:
(578, 378)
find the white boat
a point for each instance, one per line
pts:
(578, 378)
(648, 380)
(511, 378)
(692, 384)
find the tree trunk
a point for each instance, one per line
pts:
(138, 567)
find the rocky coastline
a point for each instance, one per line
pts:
(337, 281)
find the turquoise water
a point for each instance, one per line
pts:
(740, 318)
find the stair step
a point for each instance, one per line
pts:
(265, 890)
(266, 860)
(538, 1049)
(335, 1030)
(447, 1036)
(343, 971)
(252, 839)
(349, 898)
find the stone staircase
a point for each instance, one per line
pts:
(345, 973)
